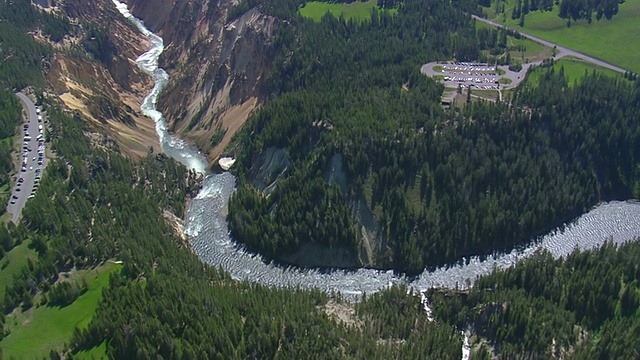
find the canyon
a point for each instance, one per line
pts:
(92, 73)
(218, 67)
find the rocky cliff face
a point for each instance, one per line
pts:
(94, 72)
(217, 67)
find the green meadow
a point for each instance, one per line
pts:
(357, 10)
(574, 70)
(533, 51)
(13, 262)
(33, 333)
(615, 41)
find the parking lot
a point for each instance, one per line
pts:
(32, 158)
(480, 76)
(475, 75)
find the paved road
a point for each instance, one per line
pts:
(560, 50)
(517, 77)
(22, 190)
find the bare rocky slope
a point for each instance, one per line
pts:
(93, 72)
(218, 66)
(218, 69)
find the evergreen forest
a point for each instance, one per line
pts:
(584, 306)
(441, 184)
(94, 205)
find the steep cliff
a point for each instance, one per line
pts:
(217, 67)
(93, 71)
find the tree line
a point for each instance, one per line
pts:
(567, 9)
(10, 117)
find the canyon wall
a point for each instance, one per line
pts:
(218, 66)
(93, 71)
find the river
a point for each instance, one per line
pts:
(208, 232)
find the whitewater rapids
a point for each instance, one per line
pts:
(208, 232)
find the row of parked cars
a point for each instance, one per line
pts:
(36, 184)
(33, 150)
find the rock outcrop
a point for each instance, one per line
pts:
(93, 71)
(218, 66)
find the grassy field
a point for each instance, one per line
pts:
(38, 330)
(533, 50)
(13, 262)
(485, 94)
(357, 10)
(574, 70)
(615, 41)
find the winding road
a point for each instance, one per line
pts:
(561, 51)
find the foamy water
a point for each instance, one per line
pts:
(171, 145)
(209, 234)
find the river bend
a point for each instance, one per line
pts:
(208, 232)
